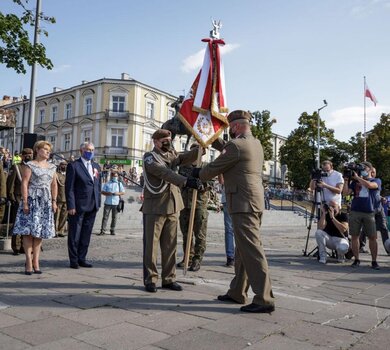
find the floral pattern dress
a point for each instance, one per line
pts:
(39, 222)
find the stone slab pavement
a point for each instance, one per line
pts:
(106, 307)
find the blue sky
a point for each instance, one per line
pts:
(286, 56)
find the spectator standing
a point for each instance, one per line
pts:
(112, 189)
(82, 189)
(35, 217)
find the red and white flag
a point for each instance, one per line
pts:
(370, 95)
(204, 110)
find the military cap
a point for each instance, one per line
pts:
(27, 151)
(237, 115)
(160, 134)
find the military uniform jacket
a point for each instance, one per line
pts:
(14, 183)
(241, 163)
(61, 197)
(160, 173)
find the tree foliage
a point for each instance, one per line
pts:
(299, 152)
(261, 126)
(16, 49)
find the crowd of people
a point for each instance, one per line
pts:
(46, 200)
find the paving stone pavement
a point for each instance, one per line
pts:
(106, 307)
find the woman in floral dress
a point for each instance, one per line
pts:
(35, 217)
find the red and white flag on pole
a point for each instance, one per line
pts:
(204, 110)
(370, 95)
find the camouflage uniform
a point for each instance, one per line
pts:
(198, 244)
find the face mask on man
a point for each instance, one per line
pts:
(88, 155)
(364, 173)
(166, 145)
(114, 178)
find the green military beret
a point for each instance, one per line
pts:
(236, 115)
(160, 134)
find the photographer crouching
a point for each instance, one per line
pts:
(330, 180)
(359, 181)
(332, 231)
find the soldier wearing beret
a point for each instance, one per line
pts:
(241, 163)
(162, 203)
(61, 215)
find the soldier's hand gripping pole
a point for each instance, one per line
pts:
(192, 216)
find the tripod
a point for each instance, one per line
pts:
(318, 199)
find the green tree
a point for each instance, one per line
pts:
(300, 150)
(378, 149)
(261, 126)
(16, 49)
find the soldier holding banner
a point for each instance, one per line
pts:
(162, 203)
(241, 163)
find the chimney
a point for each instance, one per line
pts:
(57, 89)
(125, 76)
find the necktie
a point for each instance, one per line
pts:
(89, 168)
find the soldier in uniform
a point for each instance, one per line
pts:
(14, 194)
(162, 203)
(241, 163)
(61, 215)
(198, 246)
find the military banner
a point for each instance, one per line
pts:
(204, 110)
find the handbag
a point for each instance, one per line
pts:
(121, 205)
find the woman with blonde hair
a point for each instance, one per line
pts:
(35, 217)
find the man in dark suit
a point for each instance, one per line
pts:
(241, 163)
(82, 188)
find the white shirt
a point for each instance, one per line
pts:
(88, 165)
(334, 178)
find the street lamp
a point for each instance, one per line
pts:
(318, 132)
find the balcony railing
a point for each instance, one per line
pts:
(111, 114)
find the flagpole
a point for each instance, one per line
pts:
(364, 123)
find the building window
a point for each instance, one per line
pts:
(52, 140)
(54, 113)
(271, 170)
(88, 105)
(183, 146)
(117, 137)
(86, 136)
(67, 142)
(118, 103)
(41, 116)
(68, 110)
(149, 109)
(148, 141)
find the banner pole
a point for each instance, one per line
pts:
(192, 216)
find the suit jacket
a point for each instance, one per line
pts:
(82, 193)
(241, 163)
(169, 201)
(14, 184)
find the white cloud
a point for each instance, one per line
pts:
(195, 61)
(366, 7)
(61, 68)
(348, 121)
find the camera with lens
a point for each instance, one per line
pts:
(317, 174)
(353, 167)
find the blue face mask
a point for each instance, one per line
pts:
(364, 173)
(114, 179)
(88, 155)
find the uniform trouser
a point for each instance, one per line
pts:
(79, 235)
(106, 214)
(160, 229)
(251, 267)
(61, 217)
(341, 245)
(198, 243)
